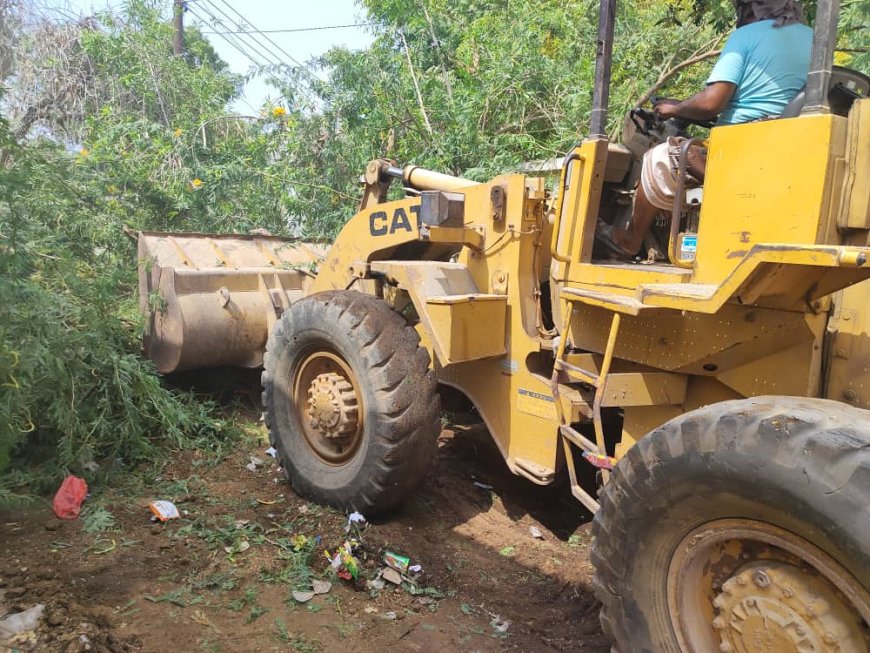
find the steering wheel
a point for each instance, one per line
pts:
(647, 121)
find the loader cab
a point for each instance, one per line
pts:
(674, 236)
(768, 182)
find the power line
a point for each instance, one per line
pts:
(301, 65)
(250, 43)
(250, 40)
(256, 44)
(290, 31)
(236, 45)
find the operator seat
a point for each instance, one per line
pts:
(846, 86)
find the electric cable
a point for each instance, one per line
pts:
(236, 45)
(251, 43)
(295, 30)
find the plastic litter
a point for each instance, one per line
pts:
(536, 533)
(390, 615)
(355, 519)
(376, 584)
(483, 486)
(164, 510)
(272, 451)
(67, 502)
(302, 597)
(415, 569)
(398, 562)
(20, 622)
(344, 561)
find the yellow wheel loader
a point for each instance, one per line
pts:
(709, 405)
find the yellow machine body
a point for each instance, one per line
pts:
(491, 272)
(753, 316)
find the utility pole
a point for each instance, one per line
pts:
(178, 27)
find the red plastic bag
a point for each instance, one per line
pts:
(68, 500)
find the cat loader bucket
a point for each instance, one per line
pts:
(211, 300)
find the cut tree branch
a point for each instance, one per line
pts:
(696, 57)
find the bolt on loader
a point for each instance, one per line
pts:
(710, 409)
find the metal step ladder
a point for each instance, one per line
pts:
(567, 373)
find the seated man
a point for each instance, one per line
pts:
(762, 67)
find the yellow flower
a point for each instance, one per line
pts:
(84, 151)
(177, 133)
(196, 183)
(842, 58)
(277, 112)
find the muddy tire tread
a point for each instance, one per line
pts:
(820, 443)
(403, 389)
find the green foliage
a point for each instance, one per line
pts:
(96, 519)
(74, 388)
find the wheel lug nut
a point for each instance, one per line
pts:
(761, 579)
(718, 623)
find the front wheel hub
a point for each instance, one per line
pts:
(328, 406)
(332, 406)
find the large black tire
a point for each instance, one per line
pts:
(400, 409)
(794, 466)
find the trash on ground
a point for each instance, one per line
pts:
(499, 625)
(390, 615)
(398, 562)
(344, 561)
(67, 502)
(355, 519)
(483, 486)
(321, 586)
(20, 622)
(536, 533)
(392, 576)
(272, 451)
(302, 597)
(164, 510)
(255, 464)
(415, 569)
(376, 584)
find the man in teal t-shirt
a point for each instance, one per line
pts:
(762, 67)
(767, 65)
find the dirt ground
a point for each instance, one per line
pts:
(220, 577)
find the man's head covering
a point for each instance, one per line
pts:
(782, 12)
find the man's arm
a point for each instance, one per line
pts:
(705, 105)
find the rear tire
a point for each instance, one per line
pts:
(350, 401)
(726, 522)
